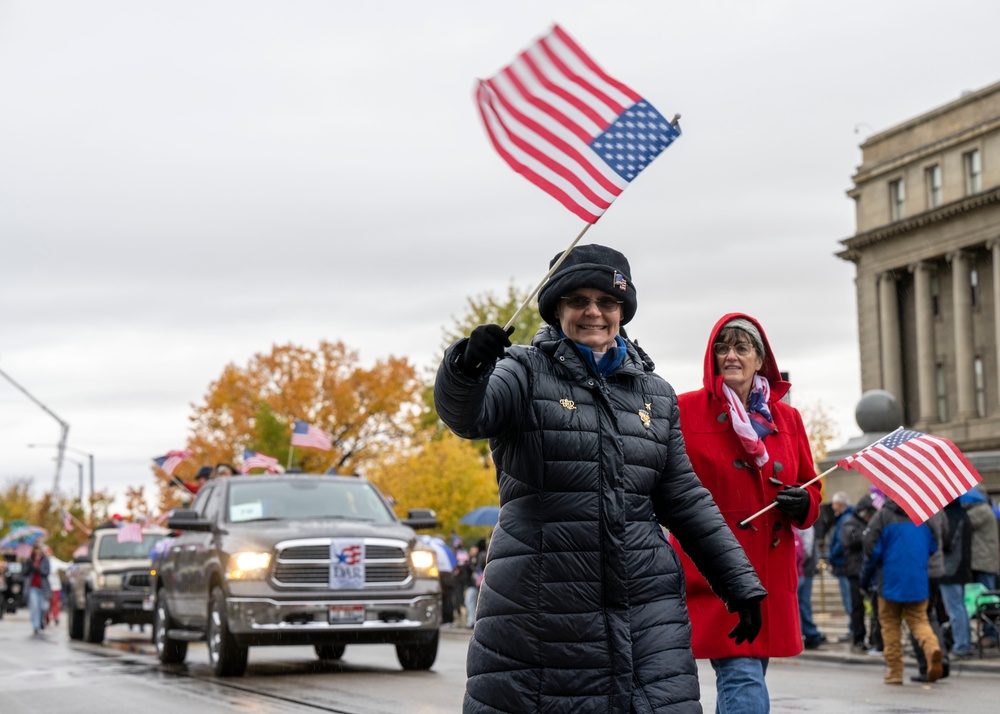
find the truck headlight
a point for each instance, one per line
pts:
(108, 581)
(424, 563)
(248, 565)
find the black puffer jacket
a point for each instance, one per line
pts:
(582, 608)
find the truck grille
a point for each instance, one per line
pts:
(307, 563)
(136, 580)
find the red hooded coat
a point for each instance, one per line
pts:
(740, 490)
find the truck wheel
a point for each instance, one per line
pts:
(418, 655)
(170, 651)
(93, 623)
(330, 651)
(228, 659)
(74, 618)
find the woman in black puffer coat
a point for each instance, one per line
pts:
(582, 607)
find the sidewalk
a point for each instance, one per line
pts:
(840, 652)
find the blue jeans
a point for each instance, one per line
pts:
(953, 597)
(471, 598)
(740, 686)
(809, 629)
(845, 597)
(36, 606)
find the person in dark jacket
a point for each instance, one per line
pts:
(36, 585)
(582, 604)
(956, 573)
(852, 530)
(900, 550)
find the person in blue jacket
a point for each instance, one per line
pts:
(899, 550)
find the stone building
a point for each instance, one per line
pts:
(927, 255)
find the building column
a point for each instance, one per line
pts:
(994, 248)
(926, 361)
(892, 352)
(965, 384)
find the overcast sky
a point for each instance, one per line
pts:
(185, 184)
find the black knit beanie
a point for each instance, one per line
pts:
(588, 266)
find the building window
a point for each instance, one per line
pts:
(974, 286)
(932, 176)
(973, 172)
(980, 387)
(935, 295)
(942, 396)
(897, 199)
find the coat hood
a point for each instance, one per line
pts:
(769, 370)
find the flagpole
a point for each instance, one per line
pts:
(547, 276)
(746, 521)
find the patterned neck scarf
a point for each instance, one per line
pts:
(753, 424)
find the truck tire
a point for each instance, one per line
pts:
(170, 651)
(330, 651)
(227, 657)
(93, 623)
(418, 655)
(74, 617)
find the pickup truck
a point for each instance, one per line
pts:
(110, 583)
(295, 559)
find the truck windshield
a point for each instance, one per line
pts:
(299, 499)
(111, 549)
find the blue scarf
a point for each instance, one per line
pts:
(611, 360)
(760, 415)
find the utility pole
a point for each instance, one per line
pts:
(64, 430)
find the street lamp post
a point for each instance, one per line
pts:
(79, 467)
(90, 459)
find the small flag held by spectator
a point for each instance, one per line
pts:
(129, 533)
(920, 472)
(310, 437)
(577, 133)
(257, 460)
(67, 520)
(171, 460)
(22, 551)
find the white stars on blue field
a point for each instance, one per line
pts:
(635, 138)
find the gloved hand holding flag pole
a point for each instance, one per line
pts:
(572, 130)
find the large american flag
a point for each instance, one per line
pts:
(572, 130)
(920, 472)
(257, 460)
(311, 437)
(171, 460)
(129, 533)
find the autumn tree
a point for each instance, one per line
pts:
(446, 474)
(369, 412)
(487, 308)
(821, 431)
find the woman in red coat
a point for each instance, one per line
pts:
(749, 449)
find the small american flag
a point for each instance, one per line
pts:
(22, 551)
(129, 533)
(920, 472)
(561, 122)
(308, 436)
(67, 520)
(257, 460)
(171, 460)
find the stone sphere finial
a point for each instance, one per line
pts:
(878, 411)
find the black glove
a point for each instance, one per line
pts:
(794, 501)
(485, 346)
(750, 622)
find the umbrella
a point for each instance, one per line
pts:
(482, 516)
(445, 556)
(26, 535)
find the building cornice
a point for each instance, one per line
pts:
(968, 204)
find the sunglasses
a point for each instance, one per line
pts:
(604, 304)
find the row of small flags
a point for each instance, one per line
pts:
(304, 435)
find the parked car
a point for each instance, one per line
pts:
(297, 559)
(109, 583)
(12, 592)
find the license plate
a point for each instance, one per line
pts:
(346, 614)
(147, 603)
